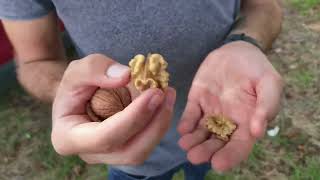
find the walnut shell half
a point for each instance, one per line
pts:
(221, 126)
(107, 102)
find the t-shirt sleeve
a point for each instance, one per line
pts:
(24, 9)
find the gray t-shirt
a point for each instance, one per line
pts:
(183, 31)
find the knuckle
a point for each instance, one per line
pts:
(73, 63)
(90, 64)
(70, 69)
(59, 146)
(95, 56)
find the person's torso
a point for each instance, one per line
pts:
(183, 31)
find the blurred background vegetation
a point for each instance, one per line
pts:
(26, 151)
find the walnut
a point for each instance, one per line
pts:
(107, 102)
(149, 72)
(221, 126)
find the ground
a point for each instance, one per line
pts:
(26, 152)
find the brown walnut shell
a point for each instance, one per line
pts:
(107, 102)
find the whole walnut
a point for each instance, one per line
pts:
(107, 102)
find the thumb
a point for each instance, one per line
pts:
(96, 70)
(269, 90)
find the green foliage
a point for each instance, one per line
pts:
(310, 170)
(303, 78)
(305, 5)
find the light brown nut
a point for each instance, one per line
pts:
(149, 72)
(221, 126)
(107, 102)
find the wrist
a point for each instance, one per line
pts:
(234, 37)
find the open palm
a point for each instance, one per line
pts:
(236, 81)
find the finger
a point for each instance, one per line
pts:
(202, 153)
(78, 136)
(96, 70)
(190, 140)
(99, 158)
(140, 147)
(269, 91)
(133, 119)
(190, 118)
(231, 154)
(143, 143)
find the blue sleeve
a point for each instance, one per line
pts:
(24, 9)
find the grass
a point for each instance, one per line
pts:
(25, 137)
(310, 170)
(27, 129)
(303, 78)
(305, 5)
(309, 8)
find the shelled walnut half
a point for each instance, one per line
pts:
(149, 72)
(221, 126)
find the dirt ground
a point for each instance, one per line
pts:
(26, 152)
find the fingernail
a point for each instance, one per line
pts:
(154, 102)
(117, 70)
(170, 99)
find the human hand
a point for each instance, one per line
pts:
(127, 137)
(239, 82)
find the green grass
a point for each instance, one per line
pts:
(308, 171)
(303, 78)
(9, 141)
(20, 134)
(59, 166)
(307, 7)
(26, 127)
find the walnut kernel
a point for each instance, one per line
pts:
(149, 72)
(221, 126)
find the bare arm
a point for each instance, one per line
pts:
(260, 19)
(39, 54)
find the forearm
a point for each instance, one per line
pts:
(41, 78)
(260, 20)
(39, 54)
